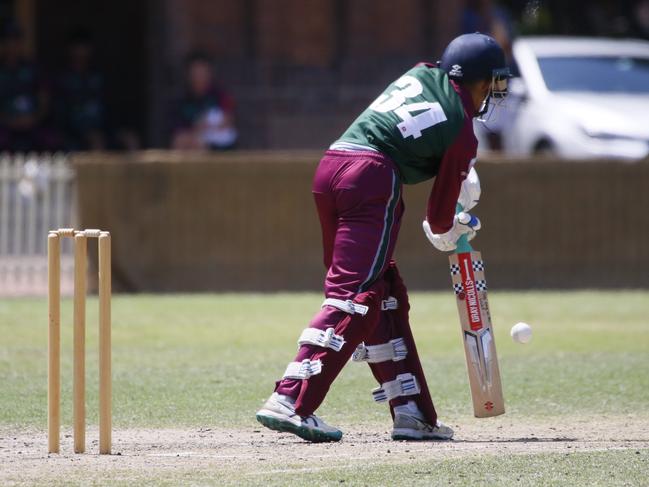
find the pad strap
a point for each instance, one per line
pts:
(394, 350)
(351, 307)
(389, 304)
(303, 370)
(348, 306)
(403, 385)
(321, 338)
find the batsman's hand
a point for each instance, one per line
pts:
(463, 224)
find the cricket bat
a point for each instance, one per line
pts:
(470, 286)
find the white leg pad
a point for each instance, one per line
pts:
(403, 385)
(303, 370)
(394, 350)
(348, 306)
(328, 338)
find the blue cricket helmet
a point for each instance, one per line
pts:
(473, 57)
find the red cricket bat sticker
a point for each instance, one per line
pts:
(471, 301)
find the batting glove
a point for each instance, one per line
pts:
(470, 191)
(463, 224)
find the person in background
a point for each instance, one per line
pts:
(80, 105)
(24, 98)
(640, 19)
(204, 117)
(488, 17)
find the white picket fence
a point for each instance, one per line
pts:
(37, 194)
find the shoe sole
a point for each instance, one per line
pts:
(277, 424)
(410, 435)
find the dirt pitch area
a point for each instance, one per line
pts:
(254, 452)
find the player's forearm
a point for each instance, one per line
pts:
(453, 169)
(439, 213)
(443, 199)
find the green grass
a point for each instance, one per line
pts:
(182, 361)
(606, 469)
(597, 468)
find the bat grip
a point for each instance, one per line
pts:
(463, 244)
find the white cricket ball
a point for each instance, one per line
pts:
(521, 333)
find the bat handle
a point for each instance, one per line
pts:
(463, 244)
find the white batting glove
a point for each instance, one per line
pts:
(470, 191)
(463, 224)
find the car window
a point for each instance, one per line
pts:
(599, 74)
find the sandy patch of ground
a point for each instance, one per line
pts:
(257, 451)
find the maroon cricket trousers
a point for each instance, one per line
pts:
(358, 198)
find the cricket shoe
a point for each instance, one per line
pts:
(410, 425)
(278, 413)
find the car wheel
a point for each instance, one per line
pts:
(544, 148)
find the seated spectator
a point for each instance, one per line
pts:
(640, 19)
(80, 106)
(488, 17)
(204, 117)
(24, 99)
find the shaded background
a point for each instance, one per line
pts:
(300, 70)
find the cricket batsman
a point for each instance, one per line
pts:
(419, 128)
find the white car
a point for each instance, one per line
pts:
(576, 98)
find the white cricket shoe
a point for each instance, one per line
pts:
(409, 425)
(278, 413)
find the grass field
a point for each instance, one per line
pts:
(189, 372)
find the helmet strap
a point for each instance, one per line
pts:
(484, 108)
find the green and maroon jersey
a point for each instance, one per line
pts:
(424, 123)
